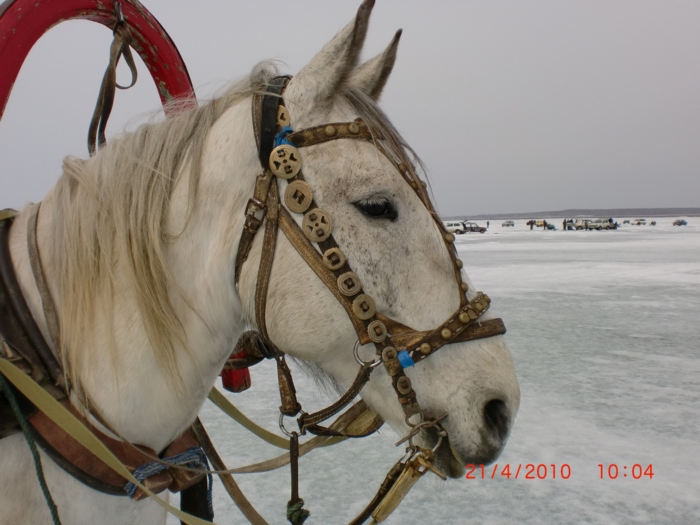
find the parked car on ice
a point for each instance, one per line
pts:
(639, 222)
(680, 222)
(602, 224)
(454, 227)
(473, 227)
(507, 224)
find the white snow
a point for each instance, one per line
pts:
(604, 331)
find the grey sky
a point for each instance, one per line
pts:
(514, 105)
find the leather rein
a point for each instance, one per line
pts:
(397, 345)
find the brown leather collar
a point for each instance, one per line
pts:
(90, 470)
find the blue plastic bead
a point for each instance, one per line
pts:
(405, 359)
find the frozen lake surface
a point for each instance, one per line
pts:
(605, 334)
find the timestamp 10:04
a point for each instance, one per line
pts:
(636, 471)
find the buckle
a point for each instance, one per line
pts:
(255, 212)
(254, 206)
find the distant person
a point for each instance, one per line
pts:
(532, 223)
(544, 225)
(563, 225)
(488, 224)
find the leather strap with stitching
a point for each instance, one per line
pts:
(47, 303)
(26, 336)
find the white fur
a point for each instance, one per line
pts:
(403, 264)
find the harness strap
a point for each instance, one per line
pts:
(307, 251)
(76, 460)
(229, 483)
(6, 389)
(255, 212)
(384, 488)
(48, 305)
(105, 100)
(288, 393)
(309, 421)
(265, 122)
(266, 258)
(20, 329)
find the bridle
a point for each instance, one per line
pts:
(397, 345)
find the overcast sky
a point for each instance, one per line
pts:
(514, 105)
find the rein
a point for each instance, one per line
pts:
(397, 346)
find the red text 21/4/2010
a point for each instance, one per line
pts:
(553, 471)
(528, 471)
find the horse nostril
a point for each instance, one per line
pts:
(497, 417)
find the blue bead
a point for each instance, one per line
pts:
(405, 359)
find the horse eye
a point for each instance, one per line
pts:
(377, 207)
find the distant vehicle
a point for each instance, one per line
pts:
(626, 221)
(473, 227)
(507, 224)
(601, 224)
(680, 222)
(545, 224)
(639, 222)
(454, 227)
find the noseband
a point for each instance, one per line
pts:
(397, 346)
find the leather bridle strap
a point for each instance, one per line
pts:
(265, 117)
(266, 259)
(296, 237)
(265, 122)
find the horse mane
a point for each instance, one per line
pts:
(110, 214)
(112, 209)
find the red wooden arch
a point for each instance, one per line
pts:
(23, 22)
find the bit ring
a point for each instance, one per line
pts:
(366, 364)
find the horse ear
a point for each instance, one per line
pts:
(321, 77)
(371, 76)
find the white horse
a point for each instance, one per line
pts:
(138, 246)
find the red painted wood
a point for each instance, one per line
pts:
(236, 380)
(23, 22)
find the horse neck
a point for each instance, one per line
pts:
(121, 376)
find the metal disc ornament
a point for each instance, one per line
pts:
(285, 161)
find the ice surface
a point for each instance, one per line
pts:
(603, 328)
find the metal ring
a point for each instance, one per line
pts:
(412, 425)
(366, 364)
(442, 434)
(284, 430)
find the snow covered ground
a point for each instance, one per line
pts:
(604, 331)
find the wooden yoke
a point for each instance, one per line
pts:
(23, 22)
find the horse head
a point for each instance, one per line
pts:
(384, 224)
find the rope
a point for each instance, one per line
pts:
(295, 513)
(32, 447)
(281, 137)
(193, 458)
